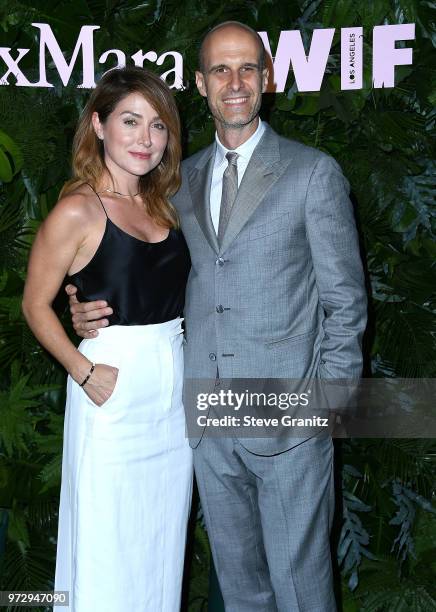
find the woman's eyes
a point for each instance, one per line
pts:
(158, 124)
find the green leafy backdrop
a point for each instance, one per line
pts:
(385, 534)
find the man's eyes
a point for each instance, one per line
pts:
(224, 69)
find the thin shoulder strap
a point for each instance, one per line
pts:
(99, 199)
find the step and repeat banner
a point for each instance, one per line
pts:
(308, 65)
(353, 78)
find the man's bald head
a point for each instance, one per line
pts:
(235, 25)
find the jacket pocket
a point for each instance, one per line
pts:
(271, 227)
(291, 339)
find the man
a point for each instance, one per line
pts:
(276, 290)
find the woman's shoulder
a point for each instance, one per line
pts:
(79, 204)
(74, 215)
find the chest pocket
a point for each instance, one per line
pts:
(271, 227)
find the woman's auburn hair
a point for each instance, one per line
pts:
(88, 163)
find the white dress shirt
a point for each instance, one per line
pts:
(245, 151)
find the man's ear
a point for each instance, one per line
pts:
(265, 77)
(98, 128)
(201, 83)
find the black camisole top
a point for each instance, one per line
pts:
(143, 282)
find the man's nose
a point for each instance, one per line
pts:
(235, 82)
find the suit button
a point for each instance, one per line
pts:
(220, 262)
(212, 356)
(220, 309)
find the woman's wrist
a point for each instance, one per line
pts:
(80, 369)
(88, 376)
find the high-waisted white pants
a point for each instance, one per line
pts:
(126, 478)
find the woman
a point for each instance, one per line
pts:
(127, 466)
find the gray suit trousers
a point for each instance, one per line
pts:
(268, 519)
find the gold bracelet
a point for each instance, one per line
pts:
(89, 374)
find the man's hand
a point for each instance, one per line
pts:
(87, 317)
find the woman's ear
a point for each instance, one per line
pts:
(98, 127)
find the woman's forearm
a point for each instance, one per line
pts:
(47, 328)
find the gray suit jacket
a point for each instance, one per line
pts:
(288, 275)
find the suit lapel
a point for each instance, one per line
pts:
(200, 177)
(264, 169)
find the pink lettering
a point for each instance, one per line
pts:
(384, 54)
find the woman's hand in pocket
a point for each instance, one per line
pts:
(101, 383)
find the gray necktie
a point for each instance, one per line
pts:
(230, 189)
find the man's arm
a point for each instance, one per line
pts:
(87, 317)
(334, 245)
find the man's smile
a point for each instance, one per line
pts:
(234, 101)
